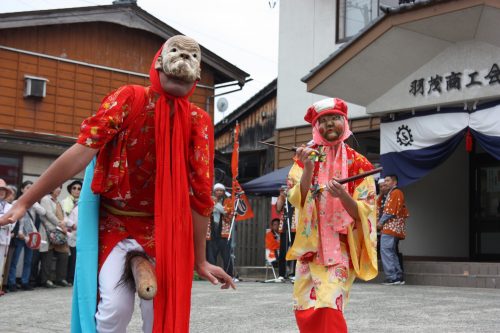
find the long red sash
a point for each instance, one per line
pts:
(173, 224)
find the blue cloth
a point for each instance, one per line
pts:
(85, 284)
(385, 217)
(411, 165)
(488, 142)
(389, 256)
(268, 184)
(19, 245)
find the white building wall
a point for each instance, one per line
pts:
(439, 209)
(34, 166)
(307, 37)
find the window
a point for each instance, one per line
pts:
(35, 86)
(10, 167)
(354, 15)
(249, 166)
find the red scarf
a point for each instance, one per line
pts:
(173, 223)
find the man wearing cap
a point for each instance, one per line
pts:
(5, 230)
(218, 229)
(154, 168)
(336, 231)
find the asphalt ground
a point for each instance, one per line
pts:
(259, 307)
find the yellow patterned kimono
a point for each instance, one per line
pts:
(319, 286)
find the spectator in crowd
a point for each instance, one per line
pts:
(287, 222)
(5, 231)
(12, 196)
(273, 241)
(382, 192)
(35, 260)
(392, 224)
(218, 230)
(22, 229)
(53, 219)
(10, 199)
(69, 205)
(71, 224)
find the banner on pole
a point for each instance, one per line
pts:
(243, 210)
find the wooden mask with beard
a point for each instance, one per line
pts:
(180, 59)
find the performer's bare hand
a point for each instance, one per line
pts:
(335, 189)
(15, 213)
(303, 154)
(214, 274)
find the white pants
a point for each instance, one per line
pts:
(116, 304)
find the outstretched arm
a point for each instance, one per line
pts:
(204, 269)
(71, 162)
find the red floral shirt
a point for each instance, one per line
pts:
(137, 156)
(103, 127)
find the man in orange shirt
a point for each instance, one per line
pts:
(273, 241)
(392, 224)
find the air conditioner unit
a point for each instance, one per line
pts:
(35, 86)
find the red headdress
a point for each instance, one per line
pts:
(324, 107)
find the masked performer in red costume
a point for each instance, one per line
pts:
(155, 164)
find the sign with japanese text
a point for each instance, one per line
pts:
(455, 80)
(465, 72)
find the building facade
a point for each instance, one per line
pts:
(309, 32)
(424, 79)
(257, 119)
(434, 80)
(57, 65)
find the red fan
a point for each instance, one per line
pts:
(33, 240)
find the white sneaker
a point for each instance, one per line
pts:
(281, 278)
(236, 280)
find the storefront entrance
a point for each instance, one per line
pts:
(485, 208)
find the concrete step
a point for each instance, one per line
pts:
(453, 274)
(255, 273)
(431, 273)
(448, 267)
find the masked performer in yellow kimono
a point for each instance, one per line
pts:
(336, 238)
